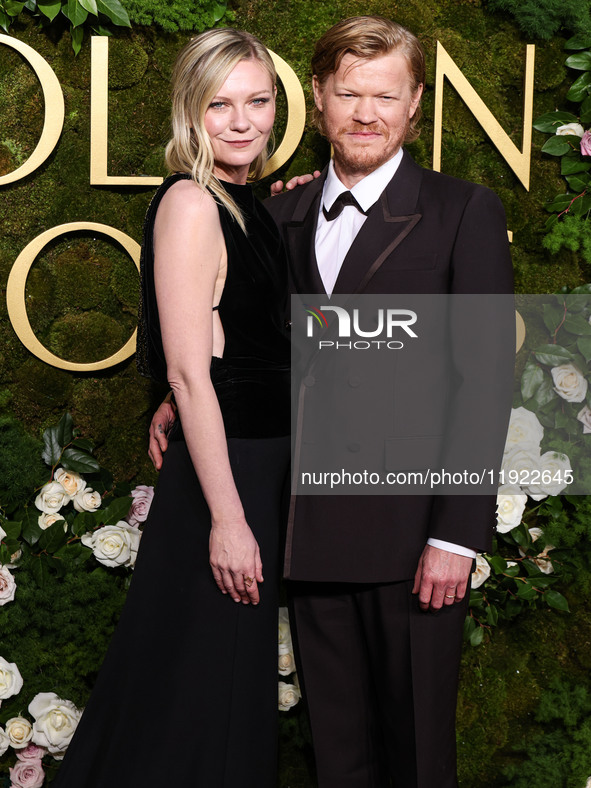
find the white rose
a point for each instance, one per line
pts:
(542, 560)
(284, 630)
(71, 481)
(554, 477)
(87, 501)
(4, 742)
(525, 430)
(7, 586)
(289, 695)
(518, 464)
(482, 571)
(114, 545)
(55, 721)
(2, 533)
(51, 498)
(45, 520)
(584, 416)
(509, 511)
(571, 128)
(11, 681)
(569, 383)
(19, 731)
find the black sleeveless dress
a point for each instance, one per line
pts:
(187, 695)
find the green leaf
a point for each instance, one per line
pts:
(549, 122)
(584, 346)
(560, 202)
(580, 88)
(89, 5)
(115, 11)
(77, 38)
(80, 461)
(579, 41)
(53, 538)
(556, 600)
(581, 61)
(11, 528)
(84, 522)
(553, 355)
(497, 562)
(76, 13)
(50, 9)
(492, 616)
(557, 145)
(13, 8)
(40, 569)
(116, 510)
(218, 11)
(577, 324)
(84, 444)
(65, 429)
(544, 394)
(531, 380)
(526, 592)
(550, 223)
(477, 637)
(576, 183)
(476, 598)
(512, 571)
(5, 21)
(53, 448)
(74, 552)
(31, 530)
(571, 164)
(469, 627)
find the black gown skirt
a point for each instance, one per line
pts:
(187, 695)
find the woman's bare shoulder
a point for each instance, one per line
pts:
(186, 198)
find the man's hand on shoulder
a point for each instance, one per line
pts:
(441, 578)
(297, 180)
(160, 426)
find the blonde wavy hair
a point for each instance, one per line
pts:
(201, 68)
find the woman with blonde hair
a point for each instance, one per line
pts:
(188, 692)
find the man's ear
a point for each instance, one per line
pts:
(415, 101)
(317, 93)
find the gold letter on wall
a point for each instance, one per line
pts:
(518, 160)
(99, 121)
(54, 110)
(16, 303)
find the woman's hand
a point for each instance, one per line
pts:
(235, 561)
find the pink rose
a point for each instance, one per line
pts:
(31, 753)
(27, 774)
(142, 499)
(586, 144)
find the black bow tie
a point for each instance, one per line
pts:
(346, 198)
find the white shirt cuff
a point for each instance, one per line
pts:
(452, 548)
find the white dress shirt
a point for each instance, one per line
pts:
(334, 239)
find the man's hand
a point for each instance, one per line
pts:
(160, 426)
(441, 578)
(297, 180)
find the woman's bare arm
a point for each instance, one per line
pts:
(189, 254)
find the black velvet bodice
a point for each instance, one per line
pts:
(252, 379)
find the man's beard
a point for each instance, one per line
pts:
(358, 158)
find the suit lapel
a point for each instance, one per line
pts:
(389, 222)
(301, 234)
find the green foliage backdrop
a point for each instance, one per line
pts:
(520, 719)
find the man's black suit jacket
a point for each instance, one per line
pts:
(427, 233)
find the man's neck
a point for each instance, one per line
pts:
(349, 177)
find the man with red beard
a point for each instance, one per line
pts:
(379, 584)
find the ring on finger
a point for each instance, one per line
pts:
(248, 581)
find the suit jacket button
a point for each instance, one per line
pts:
(354, 447)
(354, 381)
(309, 381)
(287, 325)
